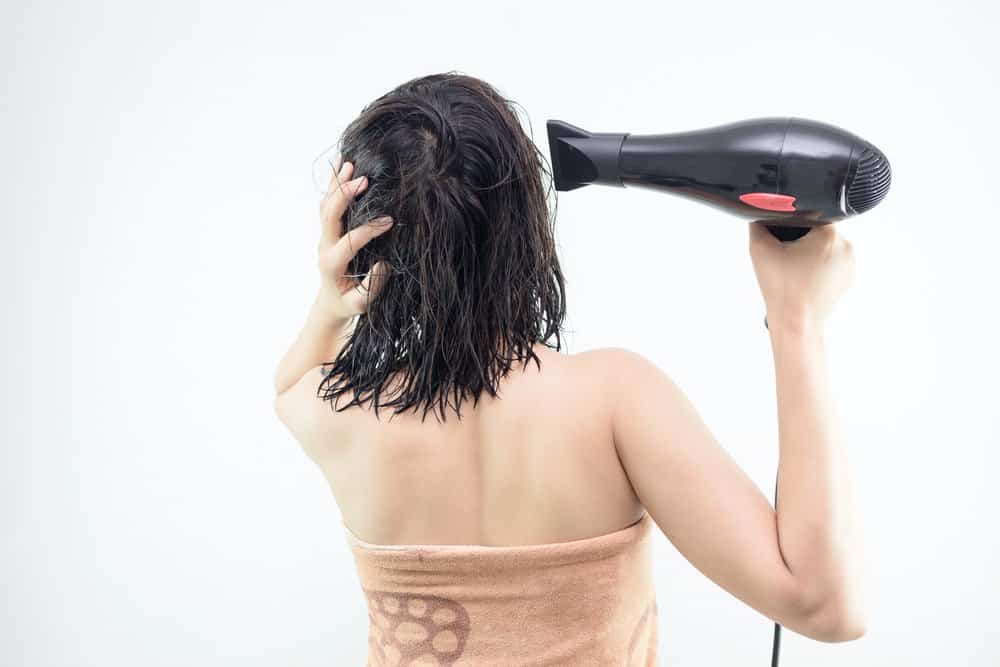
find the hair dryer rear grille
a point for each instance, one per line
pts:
(871, 181)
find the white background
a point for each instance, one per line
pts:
(158, 237)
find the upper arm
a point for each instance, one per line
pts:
(307, 416)
(704, 503)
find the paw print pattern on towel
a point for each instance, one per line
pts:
(416, 630)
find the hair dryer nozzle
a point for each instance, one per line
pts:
(580, 158)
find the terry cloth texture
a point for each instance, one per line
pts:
(583, 602)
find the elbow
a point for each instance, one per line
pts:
(279, 382)
(837, 626)
(834, 620)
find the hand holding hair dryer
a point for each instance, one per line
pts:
(789, 173)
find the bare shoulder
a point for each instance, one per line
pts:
(641, 398)
(626, 380)
(616, 368)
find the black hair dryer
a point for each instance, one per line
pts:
(789, 173)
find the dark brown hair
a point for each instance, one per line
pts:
(474, 279)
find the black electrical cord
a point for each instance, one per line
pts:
(776, 646)
(777, 628)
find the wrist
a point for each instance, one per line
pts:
(326, 310)
(798, 325)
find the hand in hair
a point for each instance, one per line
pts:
(343, 294)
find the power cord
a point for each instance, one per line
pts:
(777, 628)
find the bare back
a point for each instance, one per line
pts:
(579, 448)
(536, 464)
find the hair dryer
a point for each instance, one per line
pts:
(790, 173)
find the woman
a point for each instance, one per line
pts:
(513, 528)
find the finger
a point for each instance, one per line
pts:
(361, 295)
(341, 172)
(339, 181)
(335, 203)
(344, 250)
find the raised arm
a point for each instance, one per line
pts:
(799, 565)
(340, 297)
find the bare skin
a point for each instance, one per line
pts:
(588, 443)
(536, 464)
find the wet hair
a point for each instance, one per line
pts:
(474, 281)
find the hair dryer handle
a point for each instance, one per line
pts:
(786, 234)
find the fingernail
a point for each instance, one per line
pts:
(358, 182)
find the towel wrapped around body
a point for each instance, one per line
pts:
(583, 602)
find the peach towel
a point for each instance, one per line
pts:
(583, 602)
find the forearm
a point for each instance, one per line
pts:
(320, 341)
(818, 529)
